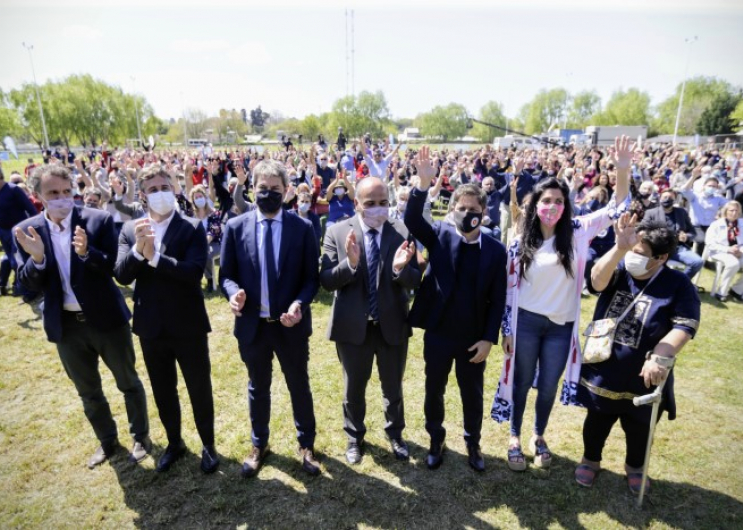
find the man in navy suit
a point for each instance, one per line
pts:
(68, 254)
(460, 305)
(269, 273)
(165, 252)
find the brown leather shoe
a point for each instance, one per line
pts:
(254, 462)
(103, 453)
(309, 464)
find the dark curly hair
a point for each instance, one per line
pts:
(532, 238)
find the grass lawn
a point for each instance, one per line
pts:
(46, 440)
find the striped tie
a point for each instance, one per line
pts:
(373, 263)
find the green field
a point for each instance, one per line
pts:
(45, 442)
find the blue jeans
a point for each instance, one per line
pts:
(689, 258)
(538, 339)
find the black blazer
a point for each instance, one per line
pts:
(168, 301)
(91, 280)
(348, 321)
(443, 243)
(683, 222)
(239, 268)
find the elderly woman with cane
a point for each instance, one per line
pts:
(656, 312)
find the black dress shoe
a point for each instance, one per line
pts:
(172, 454)
(253, 463)
(475, 459)
(720, 298)
(353, 452)
(400, 448)
(309, 464)
(435, 455)
(209, 459)
(103, 453)
(738, 297)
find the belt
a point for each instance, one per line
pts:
(269, 320)
(77, 315)
(608, 394)
(374, 323)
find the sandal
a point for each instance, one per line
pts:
(634, 481)
(516, 459)
(585, 475)
(542, 455)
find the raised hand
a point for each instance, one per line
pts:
(624, 230)
(403, 255)
(31, 243)
(237, 301)
(352, 250)
(624, 151)
(424, 167)
(80, 241)
(142, 232)
(518, 165)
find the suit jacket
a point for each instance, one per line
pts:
(91, 280)
(443, 244)
(297, 273)
(683, 222)
(168, 301)
(350, 313)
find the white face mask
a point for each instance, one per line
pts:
(401, 205)
(200, 202)
(304, 207)
(636, 264)
(161, 202)
(375, 216)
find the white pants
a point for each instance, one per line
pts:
(731, 266)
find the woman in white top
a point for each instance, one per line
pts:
(546, 264)
(725, 241)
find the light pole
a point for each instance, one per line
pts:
(565, 115)
(136, 111)
(30, 47)
(688, 41)
(185, 131)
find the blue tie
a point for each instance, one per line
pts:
(373, 263)
(270, 263)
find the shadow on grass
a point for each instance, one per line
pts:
(383, 492)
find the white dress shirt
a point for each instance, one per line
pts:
(62, 249)
(158, 229)
(265, 311)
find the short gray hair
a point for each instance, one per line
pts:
(38, 174)
(268, 169)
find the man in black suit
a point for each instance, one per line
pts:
(68, 254)
(165, 253)
(269, 275)
(460, 305)
(367, 262)
(677, 219)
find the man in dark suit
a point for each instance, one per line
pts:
(460, 305)
(367, 262)
(269, 274)
(68, 254)
(677, 219)
(165, 253)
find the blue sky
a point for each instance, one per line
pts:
(291, 57)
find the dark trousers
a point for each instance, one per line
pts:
(79, 350)
(596, 430)
(293, 352)
(357, 363)
(701, 232)
(439, 354)
(8, 263)
(192, 355)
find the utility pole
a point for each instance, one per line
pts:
(136, 111)
(30, 47)
(689, 42)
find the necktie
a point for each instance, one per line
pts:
(373, 263)
(270, 263)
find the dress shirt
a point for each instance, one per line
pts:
(158, 229)
(261, 224)
(62, 248)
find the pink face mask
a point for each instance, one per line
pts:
(549, 214)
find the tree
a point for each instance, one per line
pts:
(698, 95)
(544, 110)
(716, 118)
(367, 112)
(491, 112)
(631, 107)
(445, 123)
(10, 124)
(196, 122)
(583, 107)
(737, 116)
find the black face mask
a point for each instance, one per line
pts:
(644, 196)
(667, 203)
(268, 201)
(466, 222)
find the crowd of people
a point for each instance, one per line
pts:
(525, 236)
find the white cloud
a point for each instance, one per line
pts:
(81, 32)
(195, 46)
